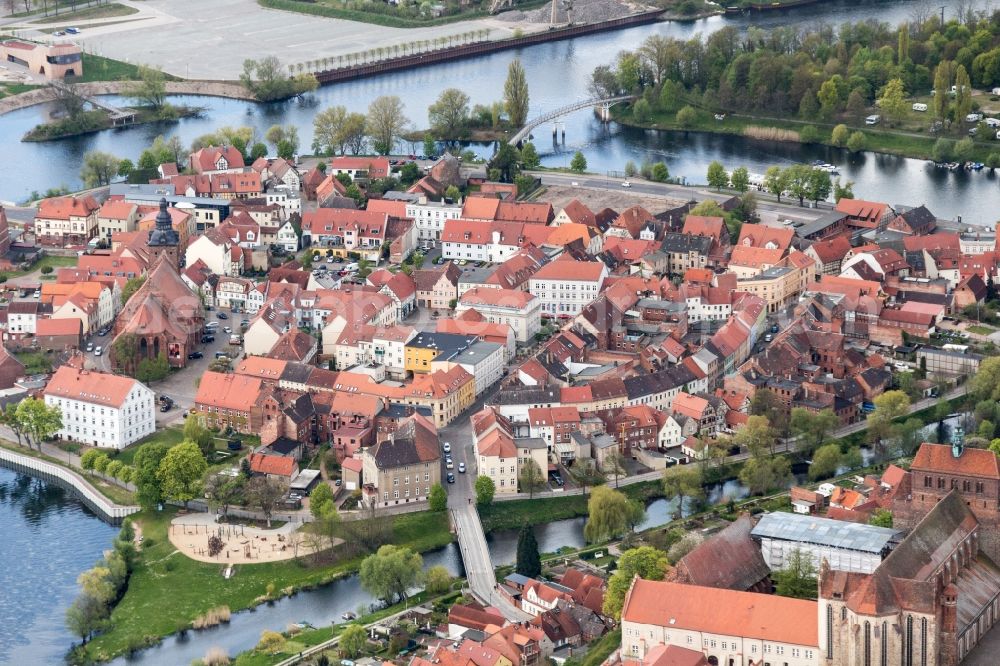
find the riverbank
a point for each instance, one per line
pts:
(98, 120)
(901, 144)
(111, 503)
(168, 591)
(205, 88)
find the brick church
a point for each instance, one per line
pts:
(938, 593)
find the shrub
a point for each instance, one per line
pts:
(687, 117)
(216, 656)
(771, 133)
(212, 617)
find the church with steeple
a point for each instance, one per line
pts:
(164, 239)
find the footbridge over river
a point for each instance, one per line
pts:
(116, 115)
(605, 105)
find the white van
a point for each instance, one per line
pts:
(992, 122)
(873, 120)
(973, 117)
(919, 106)
(351, 268)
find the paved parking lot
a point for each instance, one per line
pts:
(225, 32)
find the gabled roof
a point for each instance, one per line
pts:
(97, 388)
(63, 208)
(569, 269)
(261, 463)
(729, 559)
(759, 235)
(226, 391)
(933, 458)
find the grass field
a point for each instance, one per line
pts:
(101, 11)
(168, 590)
(876, 140)
(99, 68)
(381, 14)
(980, 329)
(11, 89)
(49, 260)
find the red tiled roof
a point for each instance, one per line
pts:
(514, 298)
(724, 612)
(98, 388)
(261, 463)
(570, 269)
(973, 462)
(62, 208)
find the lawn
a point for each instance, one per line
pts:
(99, 68)
(35, 363)
(101, 11)
(980, 329)
(169, 436)
(168, 590)
(11, 89)
(602, 649)
(49, 260)
(876, 140)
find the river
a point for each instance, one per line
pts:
(558, 73)
(48, 538)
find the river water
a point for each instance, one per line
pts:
(558, 73)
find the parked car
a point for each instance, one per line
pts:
(227, 330)
(625, 183)
(446, 447)
(768, 337)
(72, 31)
(461, 468)
(451, 478)
(207, 338)
(194, 355)
(98, 351)
(165, 407)
(557, 478)
(449, 464)
(222, 315)
(90, 346)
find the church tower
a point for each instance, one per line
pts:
(164, 240)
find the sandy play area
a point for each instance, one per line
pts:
(242, 544)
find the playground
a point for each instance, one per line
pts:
(192, 533)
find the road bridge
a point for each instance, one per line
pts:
(478, 566)
(605, 104)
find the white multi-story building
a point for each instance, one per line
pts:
(565, 286)
(429, 217)
(518, 309)
(101, 409)
(726, 626)
(483, 360)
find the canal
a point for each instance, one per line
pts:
(558, 72)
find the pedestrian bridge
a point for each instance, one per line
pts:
(605, 104)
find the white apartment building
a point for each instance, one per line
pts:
(485, 361)
(429, 217)
(701, 308)
(101, 409)
(518, 309)
(565, 286)
(728, 627)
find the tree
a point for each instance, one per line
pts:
(682, 483)
(224, 491)
(284, 138)
(101, 462)
(707, 208)
(856, 142)
(762, 474)
(776, 181)
(812, 428)
(856, 108)
(964, 151)
(579, 163)
(608, 515)
(195, 432)
(505, 163)
(449, 115)
(352, 641)
(515, 94)
(530, 477)
(270, 642)
(529, 156)
(181, 471)
(645, 562)
(437, 580)
(151, 89)
(942, 81)
(757, 436)
(881, 518)
(819, 184)
(430, 145)
(125, 168)
(264, 494)
(266, 80)
(113, 468)
(354, 134)
(453, 193)
(686, 117)
(529, 562)
(717, 176)
(485, 490)
(985, 384)
(389, 573)
(146, 462)
(385, 122)
(38, 421)
(963, 93)
(321, 501)
(153, 369)
(798, 181)
(85, 616)
(888, 407)
(741, 179)
(98, 168)
(438, 498)
(131, 286)
(845, 191)
(893, 101)
(89, 457)
(585, 474)
(943, 150)
(825, 462)
(798, 578)
(328, 131)
(641, 111)
(614, 464)
(840, 135)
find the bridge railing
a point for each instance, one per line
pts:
(562, 111)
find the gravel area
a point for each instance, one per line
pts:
(598, 199)
(584, 11)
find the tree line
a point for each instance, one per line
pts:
(821, 73)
